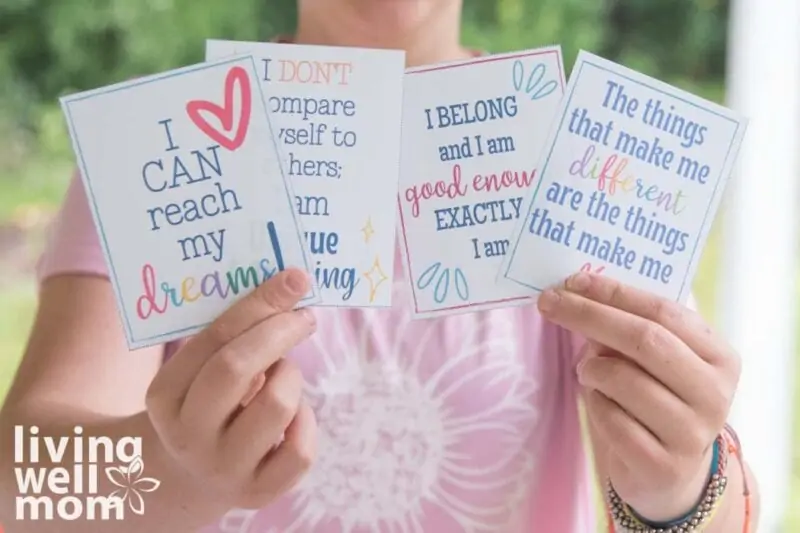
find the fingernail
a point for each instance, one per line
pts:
(296, 282)
(548, 301)
(579, 282)
(309, 316)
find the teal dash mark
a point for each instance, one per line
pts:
(273, 237)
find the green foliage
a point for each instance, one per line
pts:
(684, 38)
(55, 46)
(507, 25)
(49, 47)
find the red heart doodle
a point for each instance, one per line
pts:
(237, 77)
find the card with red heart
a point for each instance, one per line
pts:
(337, 116)
(187, 192)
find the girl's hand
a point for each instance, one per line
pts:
(659, 385)
(245, 446)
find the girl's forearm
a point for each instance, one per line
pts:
(177, 505)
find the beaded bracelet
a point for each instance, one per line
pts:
(735, 448)
(629, 522)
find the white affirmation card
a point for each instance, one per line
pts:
(187, 194)
(337, 119)
(472, 133)
(630, 181)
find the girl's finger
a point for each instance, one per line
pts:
(283, 467)
(644, 399)
(259, 427)
(170, 386)
(686, 324)
(650, 345)
(634, 444)
(227, 377)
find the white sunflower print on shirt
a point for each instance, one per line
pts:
(413, 436)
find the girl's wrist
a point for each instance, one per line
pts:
(692, 504)
(666, 504)
(737, 511)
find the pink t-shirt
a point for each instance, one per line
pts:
(460, 424)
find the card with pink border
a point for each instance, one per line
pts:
(471, 139)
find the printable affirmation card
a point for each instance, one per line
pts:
(187, 194)
(630, 182)
(337, 118)
(472, 133)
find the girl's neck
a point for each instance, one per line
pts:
(433, 40)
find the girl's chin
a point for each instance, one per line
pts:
(394, 15)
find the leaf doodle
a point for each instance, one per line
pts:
(461, 285)
(533, 86)
(442, 286)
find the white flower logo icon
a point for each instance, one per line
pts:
(131, 484)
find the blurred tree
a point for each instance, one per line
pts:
(50, 47)
(507, 25)
(675, 38)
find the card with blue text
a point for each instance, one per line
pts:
(187, 194)
(631, 178)
(472, 133)
(337, 115)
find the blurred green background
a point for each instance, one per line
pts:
(52, 47)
